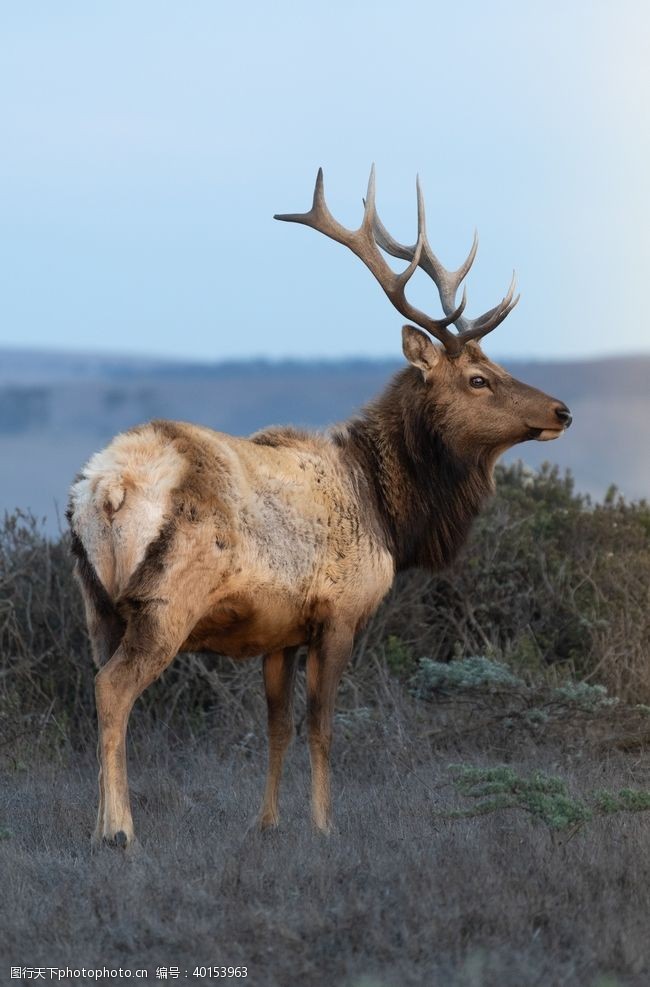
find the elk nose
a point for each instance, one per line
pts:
(564, 415)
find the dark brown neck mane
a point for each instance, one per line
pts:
(423, 492)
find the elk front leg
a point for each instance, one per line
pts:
(325, 663)
(118, 684)
(279, 671)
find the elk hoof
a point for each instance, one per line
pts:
(323, 827)
(120, 840)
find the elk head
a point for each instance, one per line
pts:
(479, 404)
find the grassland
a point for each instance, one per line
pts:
(434, 875)
(400, 894)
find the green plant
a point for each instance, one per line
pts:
(467, 673)
(584, 696)
(398, 655)
(544, 797)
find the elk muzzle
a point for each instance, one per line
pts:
(564, 419)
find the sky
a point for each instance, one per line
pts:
(146, 147)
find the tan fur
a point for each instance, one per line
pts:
(119, 503)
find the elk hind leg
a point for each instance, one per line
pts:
(279, 670)
(105, 630)
(146, 649)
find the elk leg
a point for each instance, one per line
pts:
(105, 636)
(144, 652)
(279, 670)
(105, 629)
(325, 663)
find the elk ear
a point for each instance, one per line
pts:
(419, 350)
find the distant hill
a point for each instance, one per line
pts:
(56, 409)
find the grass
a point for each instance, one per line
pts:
(405, 892)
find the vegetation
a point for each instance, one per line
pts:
(551, 587)
(550, 584)
(545, 797)
(525, 667)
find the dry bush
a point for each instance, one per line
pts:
(549, 583)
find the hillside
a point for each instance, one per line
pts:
(56, 409)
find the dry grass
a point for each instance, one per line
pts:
(397, 896)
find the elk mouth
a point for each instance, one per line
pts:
(545, 434)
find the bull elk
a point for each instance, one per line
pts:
(190, 539)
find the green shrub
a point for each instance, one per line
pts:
(544, 797)
(398, 656)
(466, 673)
(583, 695)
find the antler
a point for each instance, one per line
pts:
(372, 234)
(447, 282)
(362, 242)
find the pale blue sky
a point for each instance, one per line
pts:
(146, 146)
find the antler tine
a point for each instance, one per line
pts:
(362, 242)
(447, 282)
(490, 320)
(369, 207)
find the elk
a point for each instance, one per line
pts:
(190, 539)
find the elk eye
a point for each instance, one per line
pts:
(478, 381)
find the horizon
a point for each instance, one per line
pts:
(57, 410)
(273, 360)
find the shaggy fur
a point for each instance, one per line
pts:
(399, 444)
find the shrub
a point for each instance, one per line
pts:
(549, 583)
(545, 798)
(550, 587)
(466, 673)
